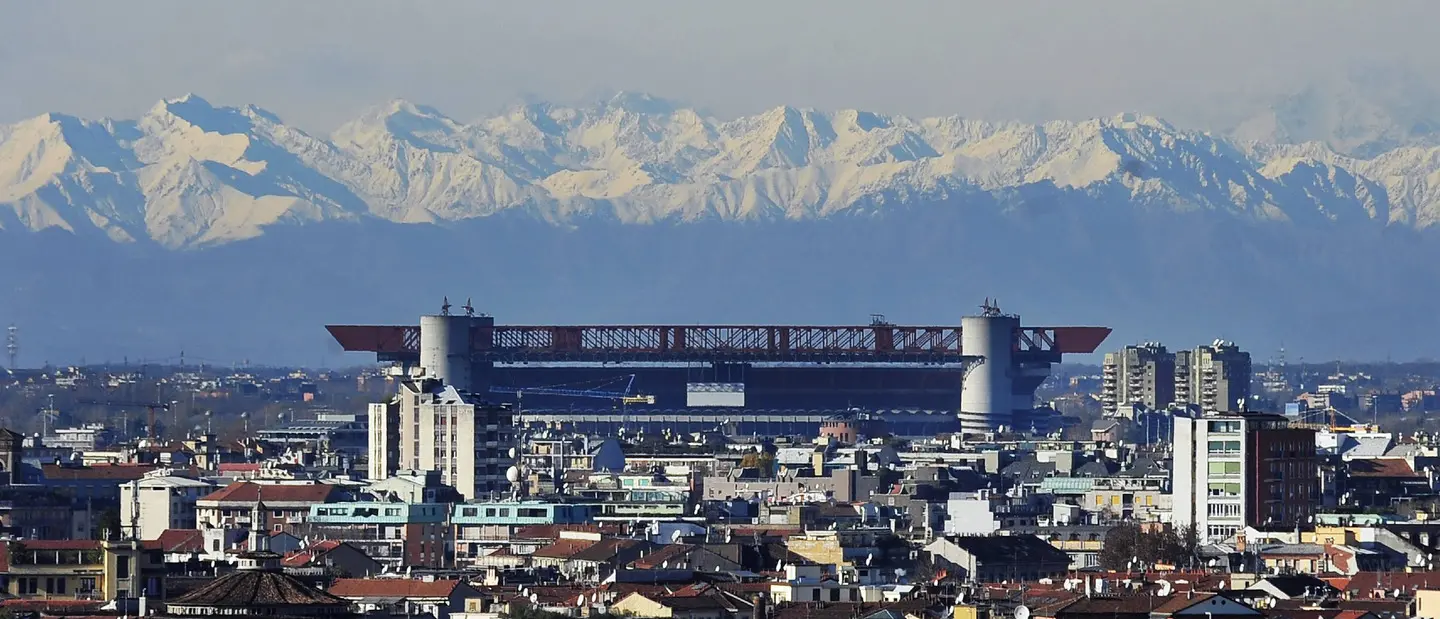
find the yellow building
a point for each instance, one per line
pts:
(84, 570)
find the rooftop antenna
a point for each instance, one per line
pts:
(12, 345)
(469, 308)
(445, 307)
(990, 308)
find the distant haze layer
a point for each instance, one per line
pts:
(229, 234)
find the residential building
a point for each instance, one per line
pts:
(1137, 375)
(1214, 377)
(339, 432)
(478, 527)
(710, 604)
(396, 534)
(287, 505)
(999, 558)
(434, 426)
(96, 485)
(88, 437)
(414, 487)
(1233, 470)
(333, 559)
(84, 570)
(159, 501)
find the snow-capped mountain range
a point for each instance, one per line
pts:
(188, 174)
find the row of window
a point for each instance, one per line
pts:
(53, 586)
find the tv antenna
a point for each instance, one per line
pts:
(990, 308)
(469, 308)
(445, 307)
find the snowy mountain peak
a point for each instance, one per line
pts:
(189, 173)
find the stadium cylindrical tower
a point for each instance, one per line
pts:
(445, 349)
(987, 399)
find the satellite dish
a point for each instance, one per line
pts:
(513, 452)
(512, 474)
(1165, 588)
(1022, 612)
(675, 536)
(534, 599)
(580, 601)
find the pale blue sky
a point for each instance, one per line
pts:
(319, 63)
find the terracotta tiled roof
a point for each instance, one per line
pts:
(605, 550)
(301, 558)
(246, 492)
(1381, 467)
(563, 548)
(663, 555)
(1177, 603)
(120, 472)
(239, 467)
(1363, 583)
(353, 588)
(181, 540)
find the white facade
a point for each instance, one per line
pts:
(445, 349)
(987, 399)
(1209, 480)
(969, 513)
(444, 430)
(383, 444)
(435, 424)
(165, 501)
(85, 438)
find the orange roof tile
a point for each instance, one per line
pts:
(247, 492)
(393, 587)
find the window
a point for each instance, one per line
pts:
(1224, 468)
(59, 586)
(87, 584)
(122, 567)
(1224, 447)
(834, 595)
(814, 595)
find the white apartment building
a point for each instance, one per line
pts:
(165, 501)
(436, 427)
(1237, 470)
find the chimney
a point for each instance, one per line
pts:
(817, 461)
(1240, 542)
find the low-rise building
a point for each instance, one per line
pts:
(286, 505)
(159, 501)
(84, 570)
(395, 534)
(999, 558)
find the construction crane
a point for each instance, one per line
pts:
(624, 397)
(150, 407)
